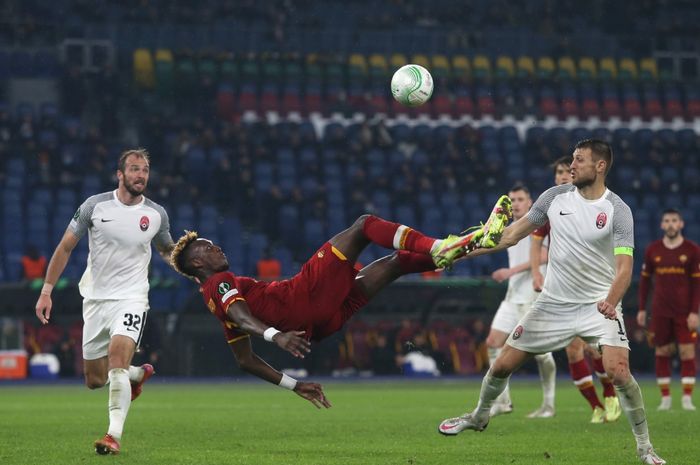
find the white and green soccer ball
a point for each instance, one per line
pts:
(412, 85)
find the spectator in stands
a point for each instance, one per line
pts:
(268, 268)
(33, 264)
(383, 357)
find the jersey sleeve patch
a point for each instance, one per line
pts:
(228, 294)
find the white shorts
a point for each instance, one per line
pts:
(106, 318)
(508, 315)
(551, 326)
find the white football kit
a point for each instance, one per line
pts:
(114, 285)
(520, 294)
(585, 236)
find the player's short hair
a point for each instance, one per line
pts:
(139, 152)
(672, 211)
(600, 149)
(179, 257)
(518, 186)
(558, 162)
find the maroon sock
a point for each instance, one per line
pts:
(411, 262)
(396, 236)
(608, 388)
(688, 375)
(663, 374)
(584, 382)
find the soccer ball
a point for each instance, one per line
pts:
(412, 85)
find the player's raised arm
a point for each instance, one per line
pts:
(511, 236)
(53, 272)
(291, 341)
(251, 363)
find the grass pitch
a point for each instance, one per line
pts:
(392, 422)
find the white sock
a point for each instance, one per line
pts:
(436, 245)
(548, 376)
(135, 374)
(491, 388)
(504, 398)
(119, 400)
(633, 405)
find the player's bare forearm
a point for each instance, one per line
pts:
(623, 278)
(251, 363)
(165, 252)
(60, 257)
(239, 313)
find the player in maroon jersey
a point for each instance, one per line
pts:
(576, 351)
(674, 263)
(324, 294)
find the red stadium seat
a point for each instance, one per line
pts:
(549, 107)
(653, 109)
(442, 105)
(632, 108)
(590, 108)
(611, 108)
(674, 109)
(569, 107)
(485, 105)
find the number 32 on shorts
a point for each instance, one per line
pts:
(132, 321)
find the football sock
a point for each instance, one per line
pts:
(491, 388)
(135, 374)
(633, 405)
(584, 382)
(119, 400)
(663, 374)
(504, 398)
(688, 376)
(608, 388)
(411, 262)
(397, 236)
(548, 373)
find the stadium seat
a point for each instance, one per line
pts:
(440, 67)
(525, 67)
(144, 73)
(627, 69)
(647, 69)
(357, 66)
(397, 60)
(566, 68)
(587, 68)
(607, 68)
(420, 59)
(481, 67)
(378, 67)
(461, 68)
(505, 68)
(545, 67)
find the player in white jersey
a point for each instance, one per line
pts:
(590, 268)
(121, 226)
(576, 351)
(517, 302)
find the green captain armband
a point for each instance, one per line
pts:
(624, 251)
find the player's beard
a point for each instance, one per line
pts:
(672, 233)
(583, 182)
(132, 189)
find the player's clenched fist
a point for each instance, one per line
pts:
(607, 310)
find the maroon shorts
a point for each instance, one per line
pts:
(333, 297)
(664, 330)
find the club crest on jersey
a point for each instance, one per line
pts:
(683, 258)
(224, 288)
(320, 253)
(144, 223)
(601, 220)
(518, 332)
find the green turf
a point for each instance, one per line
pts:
(370, 423)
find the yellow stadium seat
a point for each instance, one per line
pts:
(505, 66)
(144, 70)
(163, 54)
(647, 69)
(440, 66)
(460, 66)
(607, 68)
(627, 69)
(377, 63)
(545, 67)
(587, 68)
(397, 60)
(567, 67)
(482, 66)
(357, 64)
(526, 66)
(421, 60)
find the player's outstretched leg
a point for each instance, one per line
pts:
(380, 273)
